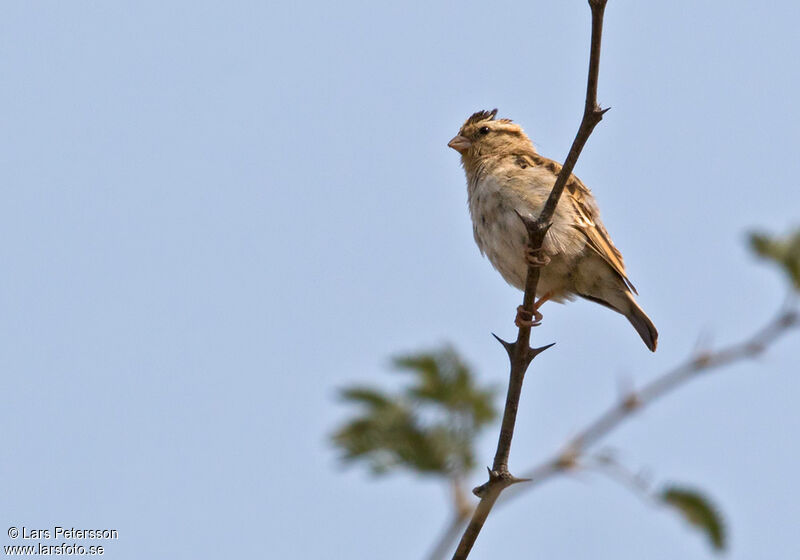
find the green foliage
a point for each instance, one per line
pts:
(442, 378)
(783, 251)
(698, 511)
(429, 427)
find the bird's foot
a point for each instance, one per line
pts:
(527, 318)
(531, 318)
(541, 301)
(536, 257)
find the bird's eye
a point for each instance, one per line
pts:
(484, 130)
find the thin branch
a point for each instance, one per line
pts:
(462, 510)
(669, 381)
(786, 319)
(615, 471)
(693, 367)
(520, 353)
(592, 113)
(450, 534)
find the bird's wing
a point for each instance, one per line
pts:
(588, 220)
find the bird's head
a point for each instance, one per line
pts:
(484, 136)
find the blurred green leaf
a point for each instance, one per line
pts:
(783, 251)
(387, 434)
(367, 396)
(442, 378)
(428, 427)
(699, 511)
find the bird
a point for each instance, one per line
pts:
(506, 180)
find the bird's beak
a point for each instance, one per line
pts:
(460, 144)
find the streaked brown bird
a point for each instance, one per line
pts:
(506, 176)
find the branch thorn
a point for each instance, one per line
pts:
(533, 352)
(509, 346)
(515, 480)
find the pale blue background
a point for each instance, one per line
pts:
(215, 214)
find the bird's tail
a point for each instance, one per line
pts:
(621, 301)
(642, 323)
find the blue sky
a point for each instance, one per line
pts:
(213, 215)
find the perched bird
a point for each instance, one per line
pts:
(506, 176)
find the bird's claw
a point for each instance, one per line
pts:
(536, 257)
(527, 318)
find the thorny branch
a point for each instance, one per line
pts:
(520, 353)
(701, 362)
(693, 367)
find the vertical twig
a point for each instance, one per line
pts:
(520, 353)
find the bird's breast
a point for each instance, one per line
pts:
(499, 233)
(502, 237)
